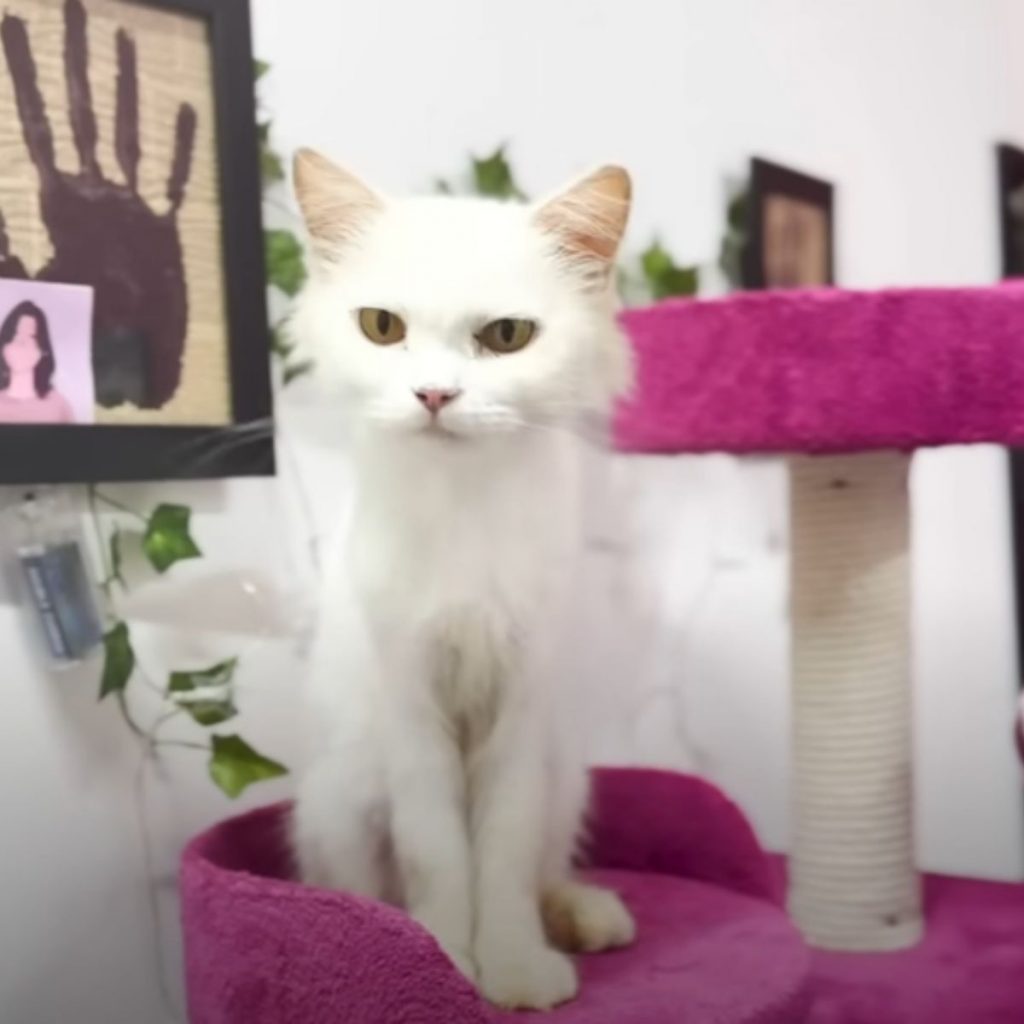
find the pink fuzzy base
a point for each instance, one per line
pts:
(713, 946)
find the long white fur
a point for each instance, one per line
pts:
(449, 776)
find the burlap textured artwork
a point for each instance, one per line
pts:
(108, 178)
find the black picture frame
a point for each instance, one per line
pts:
(42, 454)
(1010, 181)
(772, 179)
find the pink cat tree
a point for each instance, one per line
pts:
(854, 383)
(846, 385)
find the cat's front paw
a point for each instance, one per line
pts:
(530, 976)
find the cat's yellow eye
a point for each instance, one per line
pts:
(381, 326)
(507, 335)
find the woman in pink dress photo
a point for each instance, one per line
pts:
(27, 394)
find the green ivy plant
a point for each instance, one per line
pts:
(656, 275)
(663, 277)
(734, 238)
(283, 252)
(206, 696)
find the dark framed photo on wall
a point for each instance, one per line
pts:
(790, 239)
(1010, 186)
(133, 327)
(1010, 177)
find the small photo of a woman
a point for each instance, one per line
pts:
(27, 394)
(45, 364)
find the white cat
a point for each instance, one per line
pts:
(465, 338)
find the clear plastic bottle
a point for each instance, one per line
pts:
(58, 583)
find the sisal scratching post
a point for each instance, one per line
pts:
(854, 884)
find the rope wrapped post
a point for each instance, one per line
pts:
(854, 883)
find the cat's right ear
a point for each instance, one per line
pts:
(335, 203)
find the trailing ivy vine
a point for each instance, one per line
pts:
(283, 252)
(206, 696)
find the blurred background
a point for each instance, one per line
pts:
(899, 104)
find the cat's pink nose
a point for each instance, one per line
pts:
(435, 399)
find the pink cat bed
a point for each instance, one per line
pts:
(713, 945)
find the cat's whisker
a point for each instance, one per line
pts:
(204, 448)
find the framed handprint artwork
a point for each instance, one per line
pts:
(133, 328)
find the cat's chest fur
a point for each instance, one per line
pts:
(467, 561)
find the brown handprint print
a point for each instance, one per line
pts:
(103, 232)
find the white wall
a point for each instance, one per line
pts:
(897, 103)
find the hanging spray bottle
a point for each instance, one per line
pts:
(58, 582)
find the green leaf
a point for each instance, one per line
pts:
(212, 709)
(167, 539)
(286, 266)
(655, 261)
(492, 176)
(221, 674)
(730, 261)
(234, 765)
(260, 68)
(271, 168)
(118, 660)
(293, 371)
(116, 558)
(210, 712)
(736, 212)
(734, 240)
(679, 281)
(664, 277)
(278, 345)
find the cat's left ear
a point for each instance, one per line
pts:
(589, 218)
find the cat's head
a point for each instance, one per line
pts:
(463, 317)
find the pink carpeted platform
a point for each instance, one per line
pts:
(827, 371)
(713, 946)
(969, 968)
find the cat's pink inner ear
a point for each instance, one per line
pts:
(590, 217)
(335, 203)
